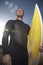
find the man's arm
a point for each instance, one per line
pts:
(28, 29)
(5, 42)
(5, 38)
(7, 59)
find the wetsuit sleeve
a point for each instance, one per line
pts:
(28, 29)
(6, 33)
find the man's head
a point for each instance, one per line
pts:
(19, 13)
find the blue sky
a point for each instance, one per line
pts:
(9, 7)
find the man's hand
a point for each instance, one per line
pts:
(7, 59)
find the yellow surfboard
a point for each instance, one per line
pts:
(35, 35)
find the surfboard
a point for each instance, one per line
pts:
(35, 34)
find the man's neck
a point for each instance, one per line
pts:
(19, 18)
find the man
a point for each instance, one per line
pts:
(16, 50)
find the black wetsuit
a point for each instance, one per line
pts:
(17, 47)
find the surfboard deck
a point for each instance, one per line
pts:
(35, 35)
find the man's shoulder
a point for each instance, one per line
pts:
(10, 21)
(9, 24)
(27, 26)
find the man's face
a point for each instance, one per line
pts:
(19, 12)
